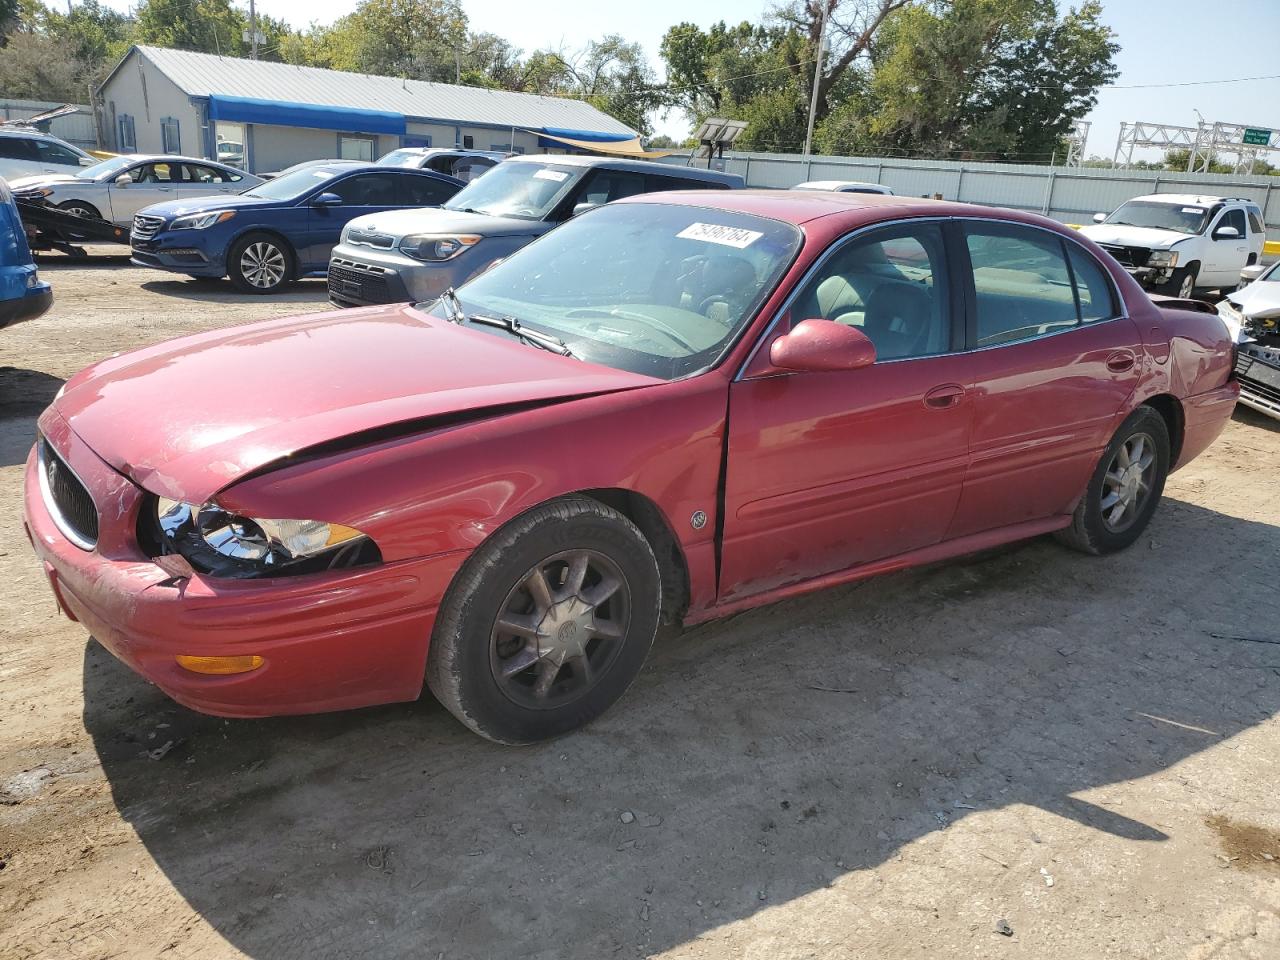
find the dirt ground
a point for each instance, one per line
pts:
(1082, 753)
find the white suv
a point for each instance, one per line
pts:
(1174, 242)
(24, 152)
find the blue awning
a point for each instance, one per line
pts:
(592, 135)
(282, 114)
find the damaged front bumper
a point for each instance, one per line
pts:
(1257, 358)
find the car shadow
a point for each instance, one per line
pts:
(1255, 418)
(23, 396)
(209, 290)
(756, 759)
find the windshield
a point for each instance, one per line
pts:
(400, 158)
(106, 169)
(293, 184)
(528, 191)
(1161, 216)
(650, 288)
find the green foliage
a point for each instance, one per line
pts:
(209, 26)
(38, 67)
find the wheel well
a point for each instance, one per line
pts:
(80, 203)
(1171, 410)
(644, 513)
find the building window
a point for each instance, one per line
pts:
(127, 137)
(170, 138)
(355, 148)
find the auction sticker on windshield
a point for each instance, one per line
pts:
(559, 176)
(716, 233)
(1192, 210)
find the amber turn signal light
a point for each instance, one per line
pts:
(220, 666)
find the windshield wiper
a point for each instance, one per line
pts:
(453, 311)
(535, 337)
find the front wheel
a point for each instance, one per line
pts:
(260, 263)
(547, 624)
(1125, 487)
(1181, 283)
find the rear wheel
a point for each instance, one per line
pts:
(547, 624)
(1125, 487)
(260, 263)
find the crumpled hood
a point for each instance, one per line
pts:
(1259, 299)
(44, 180)
(186, 418)
(1149, 237)
(401, 223)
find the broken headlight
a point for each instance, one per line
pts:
(1163, 258)
(216, 541)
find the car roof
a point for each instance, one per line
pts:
(171, 158)
(622, 163)
(1198, 199)
(804, 206)
(836, 184)
(461, 151)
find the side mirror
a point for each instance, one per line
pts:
(123, 180)
(326, 199)
(579, 208)
(1226, 233)
(818, 346)
(88, 161)
(1099, 217)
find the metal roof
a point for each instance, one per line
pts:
(206, 74)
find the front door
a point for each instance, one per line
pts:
(1053, 364)
(148, 183)
(829, 470)
(1225, 256)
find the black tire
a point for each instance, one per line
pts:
(278, 263)
(1090, 531)
(463, 664)
(1176, 285)
(80, 208)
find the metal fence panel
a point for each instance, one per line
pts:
(1069, 194)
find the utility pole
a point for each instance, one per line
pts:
(253, 30)
(817, 74)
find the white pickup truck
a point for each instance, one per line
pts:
(1175, 243)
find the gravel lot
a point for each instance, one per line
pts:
(891, 770)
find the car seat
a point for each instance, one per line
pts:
(897, 320)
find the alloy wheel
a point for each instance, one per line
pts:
(1127, 483)
(262, 264)
(560, 629)
(1188, 287)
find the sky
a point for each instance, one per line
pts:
(1161, 41)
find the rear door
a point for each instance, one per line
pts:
(1053, 363)
(201, 180)
(829, 470)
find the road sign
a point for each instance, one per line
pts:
(1256, 137)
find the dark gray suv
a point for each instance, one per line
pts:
(415, 255)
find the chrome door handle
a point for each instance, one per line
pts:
(943, 397)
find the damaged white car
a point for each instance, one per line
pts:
(1252, 316)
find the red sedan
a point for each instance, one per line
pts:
(668, 409)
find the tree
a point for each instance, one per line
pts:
(209, 26)
(97, 35)
(38, 67)
(610, 74)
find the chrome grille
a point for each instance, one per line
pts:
(367, 238)
(147, 227)
(66, 498)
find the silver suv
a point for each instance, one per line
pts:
(25, 152)
(415, 255)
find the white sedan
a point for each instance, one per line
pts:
(844, 186)
(118, 188)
